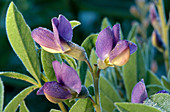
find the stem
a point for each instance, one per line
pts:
(95, 76)
(62, 107)
(165, 32)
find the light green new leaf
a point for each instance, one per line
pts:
(82, 105)
(23, 107)
(105, 23)
(151, 78)
(14, 103)
(19, 76)
(1, 95)
(54, 110)
(160, 101)
(93, 58)
(19, 36)
(134, 107)
(74, 23)
(47, 59)
(89, 79)
(133, 32)
(108, 94)
(70, 60)
(130, 75)
(165, 82)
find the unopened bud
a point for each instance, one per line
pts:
(76, 52)
(134, 11)
(84, 92)
(157, 41)
(154, 17)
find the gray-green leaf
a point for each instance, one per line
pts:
(14, 103)
(20, 76)
(109, 95)
(130, 75)
(47, 59)
(160, 101)
(133, 31)
(23, 107)
(82, 105)
(19, 36)
(134, 107)
(151, 78)
(165, 82)
(1, 95)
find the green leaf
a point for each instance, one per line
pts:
(54, 110)
(19, 76)
(153, 88)
(89, 79)
(88, 44)
(151, 78)
(130, 75)
(133, 31)
(23, 107)
(134, 107)
(105, 23)
(19, 36)
(108, 94)
(1, 95)
(93, 58)
(14, 103)
(169, 74)
(82, 105)
(74, 23)
(160, 101)
(141, 69)
(165, 82)
(47, 59)
(70, 60)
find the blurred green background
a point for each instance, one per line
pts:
(39, 13)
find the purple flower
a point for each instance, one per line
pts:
(111, 50)
(68, 84)
(157, 41)
(56, 41)
(139, 93)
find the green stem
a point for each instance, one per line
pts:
(165, 33)
(62, 107)
(96, 86)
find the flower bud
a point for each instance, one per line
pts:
(154, 17)
(134, 11)
(84, 92)
(157, 41)
(76, 51)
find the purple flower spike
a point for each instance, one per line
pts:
(68, 84)
(139, 93)
(56, 41)
(111, 50)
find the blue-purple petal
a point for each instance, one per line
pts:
(67, 75)
(55, 91)
(163, 91)
(116, 33)
(64, 28)
(133, 47)
(139, 93)
(120, 47)
(46, 39)
(104, 43)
